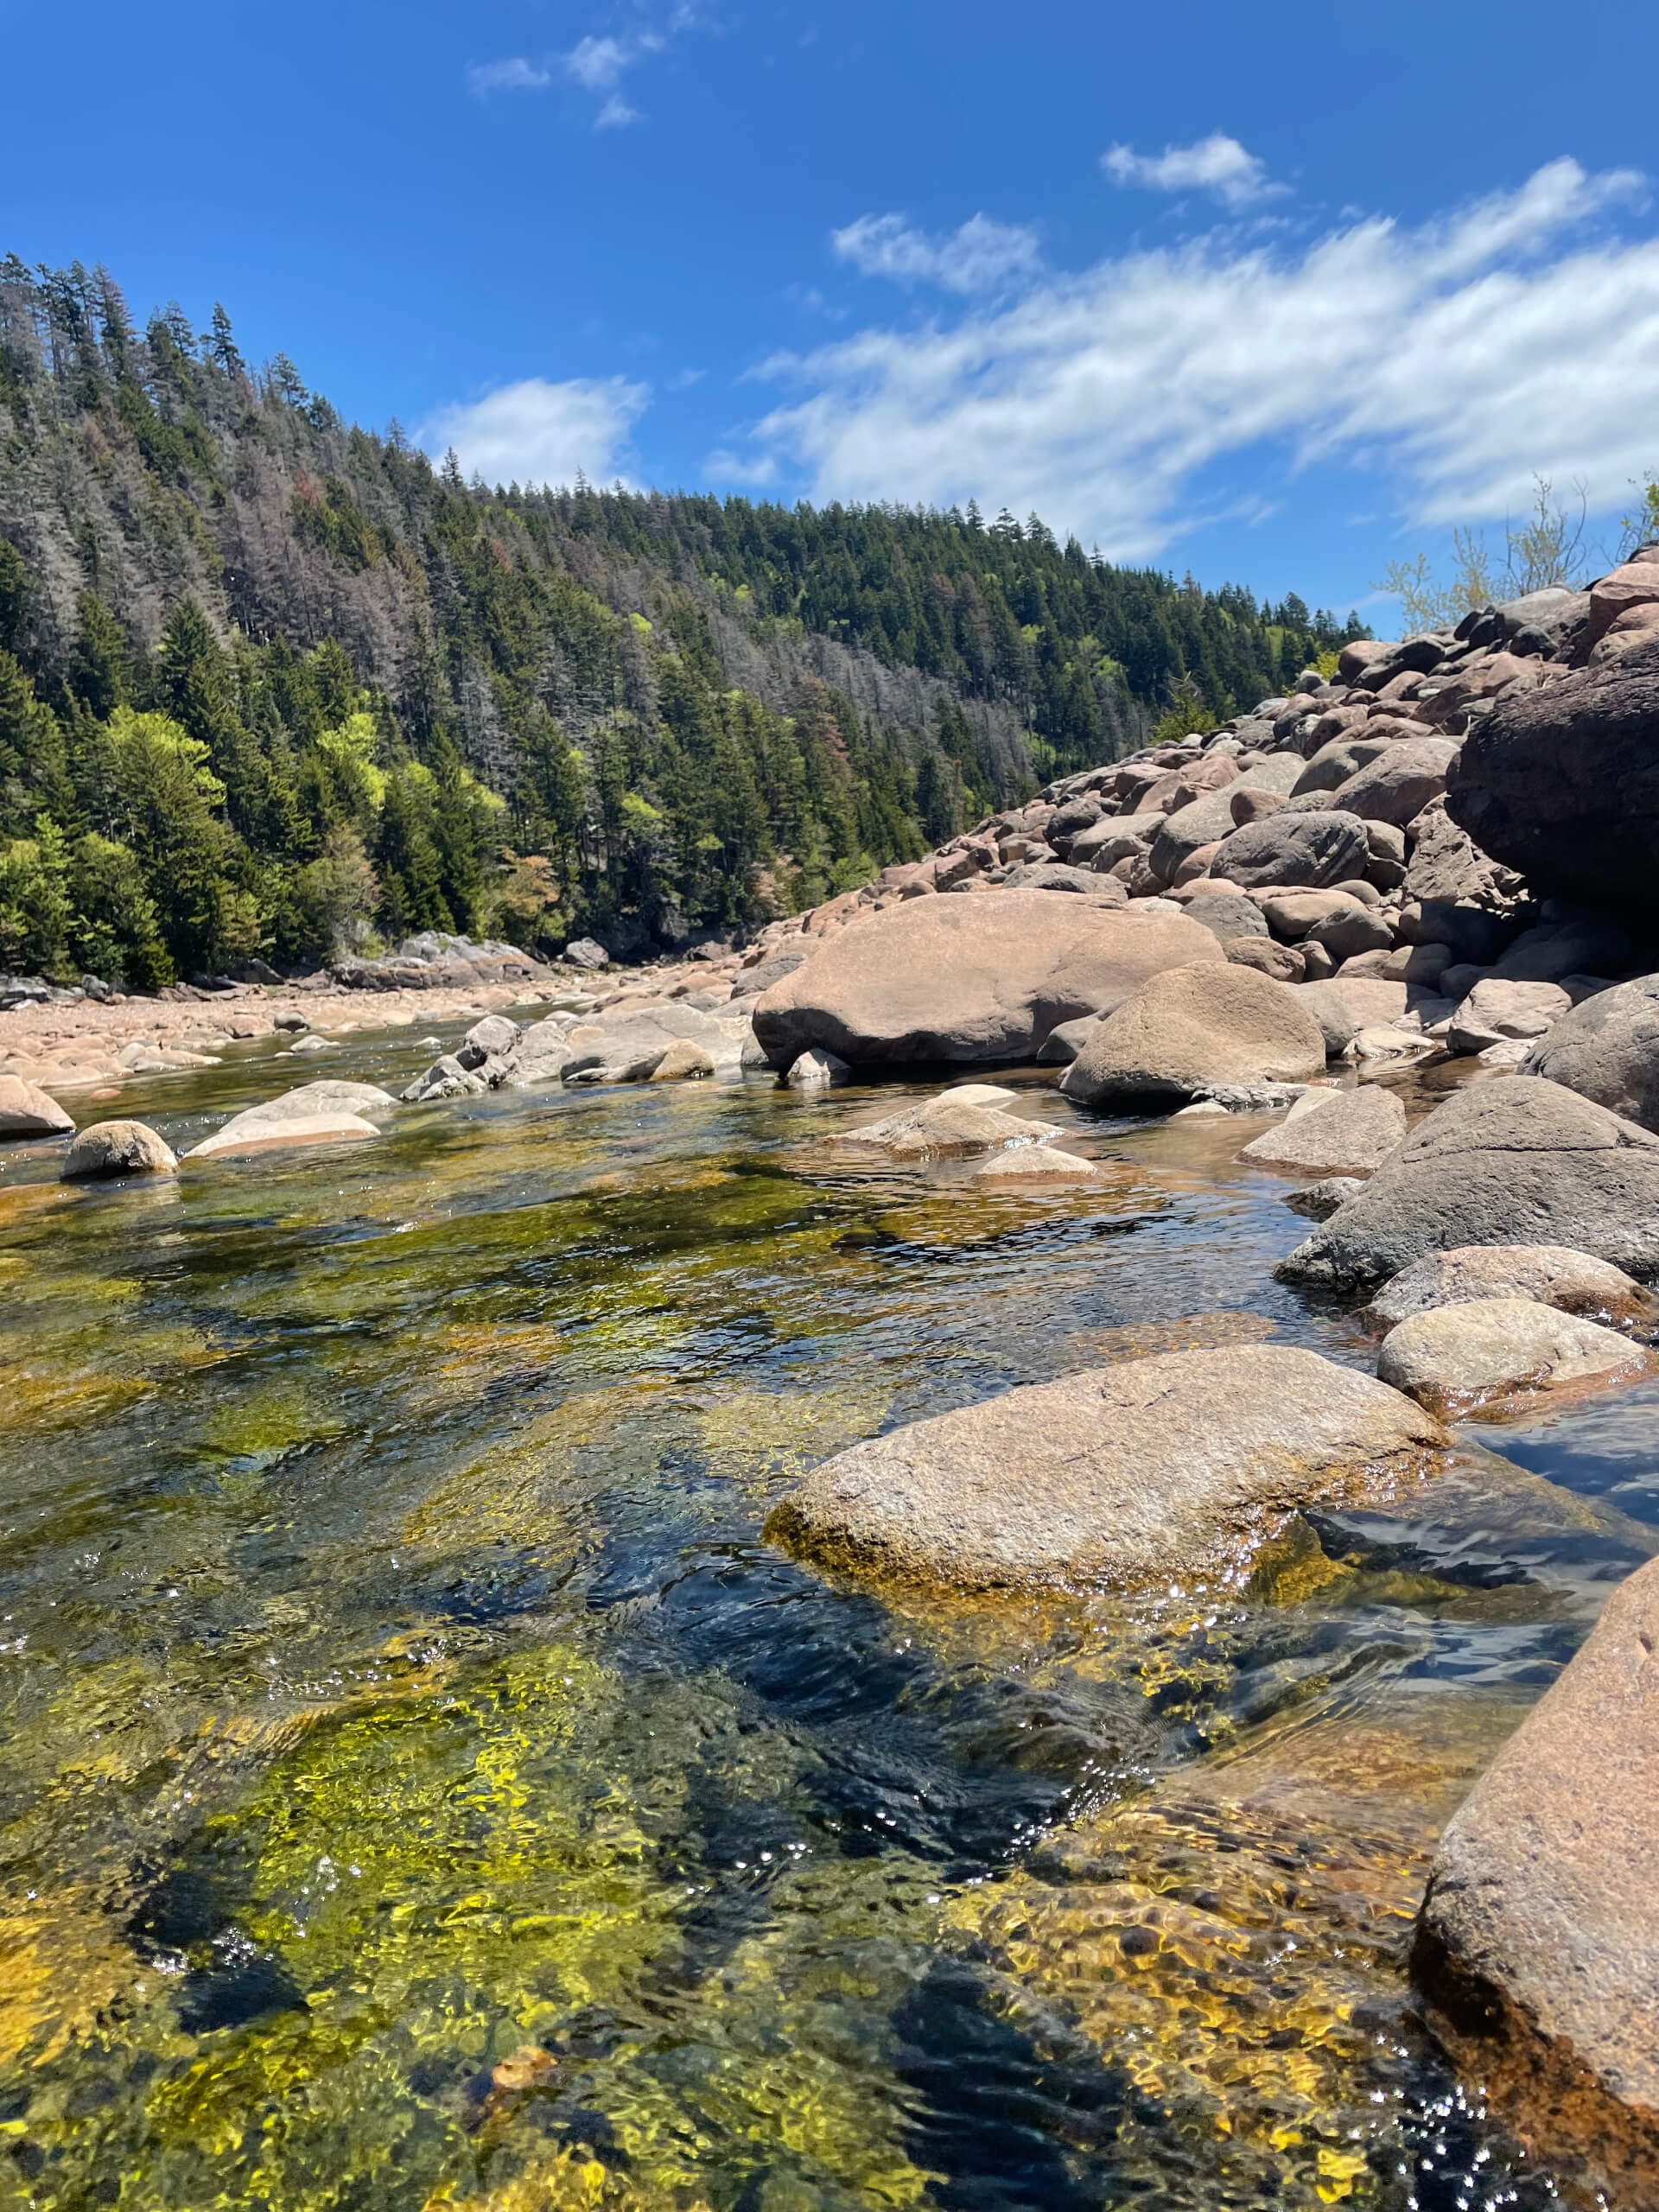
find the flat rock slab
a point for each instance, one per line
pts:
(960, 979)
(1537, 1948)
(1515, 1161)
(1571, 1281)
(1333, 1133)
(242, 1137)
(1192, 1029)
(1490, 1351)
(118, 1148)
(1153, 1469)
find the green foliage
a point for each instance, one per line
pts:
(382, 701)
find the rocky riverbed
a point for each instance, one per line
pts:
(877, 1559)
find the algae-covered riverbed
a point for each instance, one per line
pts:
(425, 1787)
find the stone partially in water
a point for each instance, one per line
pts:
(1519, 1161)
(241, 1138)
(1157, 1468)
(1571, 1281)
(1034, 1167)
(118, 1148)
(955, 1125)
(1333, 1133)
(1487, 1352)
(28, 1111)
(1193, 1029)
(1538, 1944)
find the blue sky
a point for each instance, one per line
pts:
(1275, 293)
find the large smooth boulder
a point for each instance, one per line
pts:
(118, 1148)
(1607, 1049)
(1489, 1351)
(1562, 783)
(1497, 1009)
(1157, 1469)
(967, 980)
(1333, 1133)
(1227, 915)
(1346, 1005)
(1553, 1274)
(1338, 760)
(1321, 846)
(1537, 1948)
(1202, 821)
(27, 1111)
(325, 1096)
(1191, 1029)
(1519, 1161)
(1399, 782)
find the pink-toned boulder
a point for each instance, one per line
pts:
(28, 1111)
(970, 980)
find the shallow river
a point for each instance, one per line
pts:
(425, 1787)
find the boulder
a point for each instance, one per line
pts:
(244, 1136)
(118, 1148)
(1607, 1049)
(955, 1125)
(1520, 1161)
(1062, 1045)
(1537, 1948)
(1496, 1009)
(586, 952)
(1315, 848)
(1632, 588)
(1056, 876)
(1154, 1470)
(1462, 897)
(1191, 1029)
(685, 1061)
(970, 979)
(1553, 1274)
(1285, 963)
(1333, 1133)
(324, 1096)
(445, 1078)
(1319, 1201)
(492, 1039)
(1489, 1351)
(1034, 1168)
(1562, 783)
(1343, 1009)
(1201, 823)
(1399, 782)
(816, 1070)
(542, 1055)
(1338, 760)
(1226, 914)
(1576, 944)
(26, 1111)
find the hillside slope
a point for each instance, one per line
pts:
(273, 684)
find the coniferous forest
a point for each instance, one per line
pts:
(276, 686)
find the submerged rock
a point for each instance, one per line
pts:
(1518, 1161)
(1193, 1030)
(1157, 1468)
(118, 1148)
(1034, 1167)
(246, 1135)
(1571, 1281)
(955, 1125)
(1537, 1948)
(1484, 1351)
(969, 979)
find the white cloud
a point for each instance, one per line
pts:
(1217, 164)
(597, 64)
(516, 75)
(616, 114)
(1454, 358)
(540, 433)
(981, 257)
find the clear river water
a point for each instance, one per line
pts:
(425, 1787)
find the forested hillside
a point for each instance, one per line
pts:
(274, 684)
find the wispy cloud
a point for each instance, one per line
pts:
(982, 256)
(1217, 165)
(596, 64)
(1454, 358)
(535, 432)
(514, 75)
